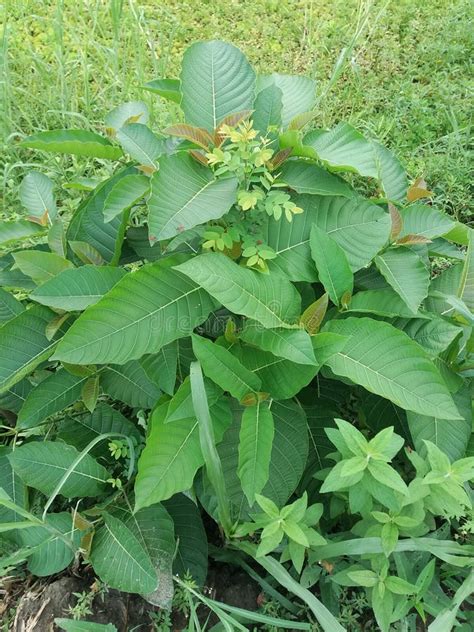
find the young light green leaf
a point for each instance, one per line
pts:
(333, 268)
(255, 448)
(40, 266)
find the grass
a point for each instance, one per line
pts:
(408, 80)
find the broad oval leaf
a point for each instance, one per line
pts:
(78, 142)
(383, 302)
(42, 464)
(13, 486)
(424, 220)
(143, 312)
(292, 344)
(76, 289)
(120, 559)
(141, 144)
(162, 367)
(298, 93)
(435, 334)
(125, 194)
(40, 266)
(392, 175)
(393, 366)
(36, 195)
(185, 194)
(216, 80)
(407, 274)
(271, 300)
(305, 177)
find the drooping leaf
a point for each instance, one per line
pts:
(451, 437)
(185, 194)
(304, 177)
(424, 220)
(36, 195)
(77, 142)
(267, 109)
(40, 266)
(141, 144)
(162, 367)
(344, 149)
(255, 449)
(383, 302)
(125, 194)
(298, 93)
(292, 344)
(120, 559)
(407, 274)
(9, 306)
(18, 229)
(333, 268)
(216, 80)
(42, 464)
(53, 554)
(271, 300)
(390, 173)
(224, 368)
(125, 113)
(143, 312)
(55, 393)
(26, 333)
(169, 89)
(191, 554)
(394, 366)
(76, 289)
(130, 384)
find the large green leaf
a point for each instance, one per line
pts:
(185, 194)
(169, 461)
(55, 393)
(14, 397)
(167, 88)
(120, 559)
(216, 80)
(255, 449)
(36, 195)
(162, 367)
(26, 335)
(390, 173)
(344, 149)
(267, 109)
(125, 194)
(40, 266)
(130, 384)
(76, 289)
(305, 177)
(191, 553)
(434, 334)
(392, 366)
(466, 285)
(88, 223)
(18, 229)
(141, 144)
(78, 142)
(383, 302)
(143, 312)
(361, 229)
(153, 528)
(224, 368)
(298, 93)
(42, 464)
(424, 220)
(9, 306)
(52, 554)
(407, 274)
(451, 437)
(333, 268)
(271, 300)
(80, 430)
(292, 344)
(12, 485)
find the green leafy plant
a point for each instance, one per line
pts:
(219, 314)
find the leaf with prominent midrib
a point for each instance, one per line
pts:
(18, 229)
(224, 368)
(26, 334)
(424, 220)
(78, 288)
(298, 93)
(185, 194)
(384, 302)
(271, 300)
(216, 80)
(78, 142)
(141, 143)
(125, 194)
(120, 559)
(267, 109)
(162, 367)
(255, 449)
(292, 344)
(36, 195)
(40, 266)
(9, 306)
(55, 393)
(333, 268)
(387, 362)
(305, 177)
(143, 312)
(434, 334)
(130, 384)
(42, 464)
(407, 274)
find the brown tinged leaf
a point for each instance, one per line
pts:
(90, 393)
(313, 315)
(280, 157)
(397, 222)
(300, 120)
(199, 156)
(86, 253)
(252, 399)
(43, 220)
(232, 120)
(411, 240)
(54, 325)
(148, 170)
(418, 190)
(197, 135)
(230, 332)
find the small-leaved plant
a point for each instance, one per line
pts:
(190, 340)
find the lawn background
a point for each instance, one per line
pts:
(408, 81)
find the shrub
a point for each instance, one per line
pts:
(194, 336)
